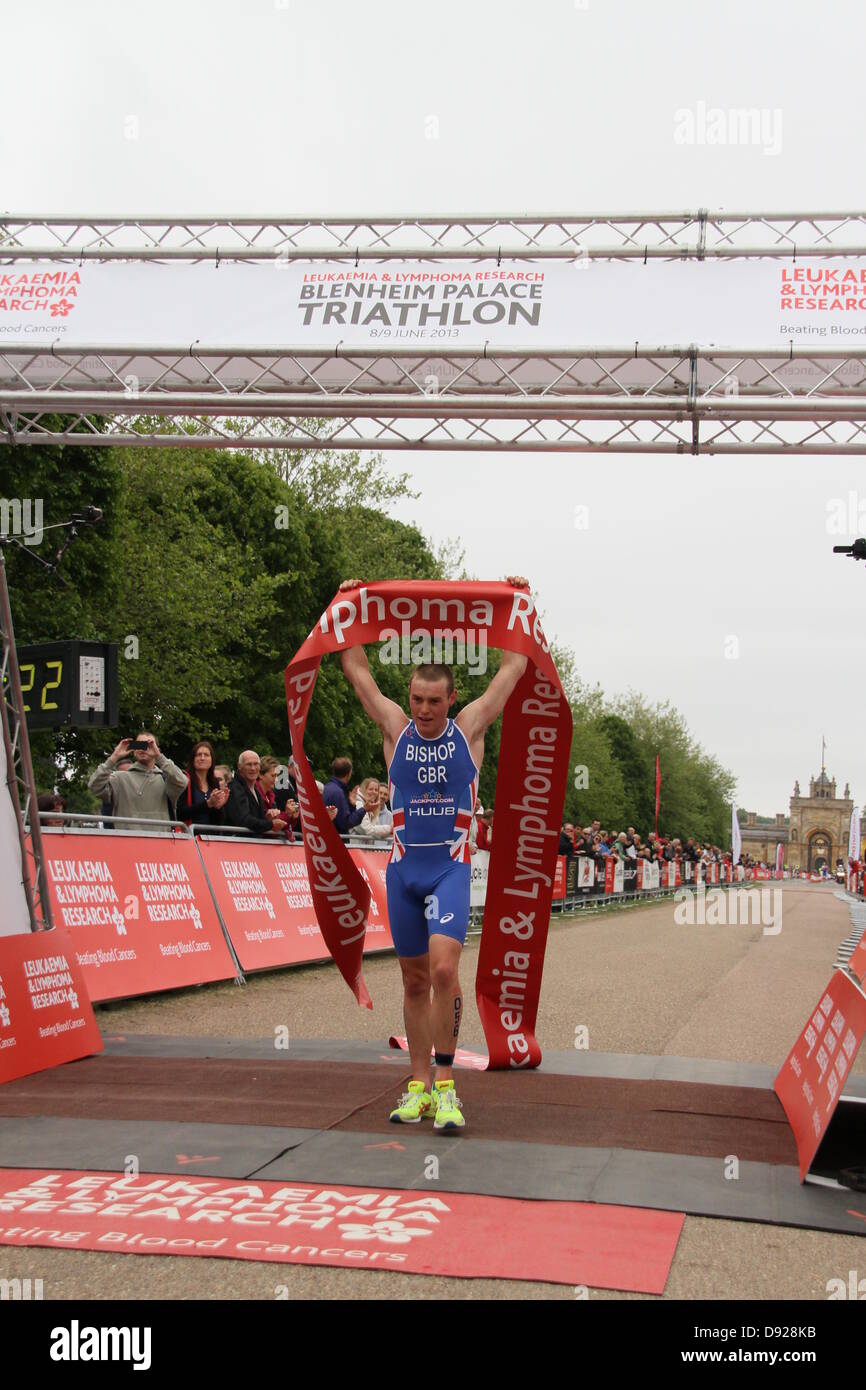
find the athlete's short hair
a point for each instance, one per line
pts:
(434, 672)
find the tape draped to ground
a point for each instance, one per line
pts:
(530, 791)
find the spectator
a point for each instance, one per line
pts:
(148, 789)
(582, 837)
(203, 801)
(485, 829)
(246, 807)
(566, 841)
(473, 827)
(105, 805)
(385, 816)
(372, 827)
(48, 802)
(223, 774)
(286, 788)
(269, 771)
(336, 794)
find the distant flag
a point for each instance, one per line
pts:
(736, 838)
(780, 856)
(658, 791)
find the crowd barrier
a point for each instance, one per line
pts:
(581, 881)
(163, 908)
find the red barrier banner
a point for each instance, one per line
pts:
(810, 1083)
(530, 793)
(138, 910)
(857, 961)
(447, 1233)
(45, 1012)
(263, 894)
(559, 877)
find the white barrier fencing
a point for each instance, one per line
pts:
(582, 881)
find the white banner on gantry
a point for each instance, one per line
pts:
(753, 303)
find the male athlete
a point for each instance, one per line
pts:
(433, 764)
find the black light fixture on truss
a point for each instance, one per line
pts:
(857, 551)
(19, 766)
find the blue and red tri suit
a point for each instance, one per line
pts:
(433, 786)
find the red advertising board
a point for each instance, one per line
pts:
(138, 910)
(857, 961)
(810, 1083)
(45, 1013)
(419, 1232)
(559, 877)
(613, 874)
(263, 894)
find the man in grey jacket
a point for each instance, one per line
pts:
(148, 790)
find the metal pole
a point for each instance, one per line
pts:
(19, 768)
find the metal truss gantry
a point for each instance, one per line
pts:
(680, 398)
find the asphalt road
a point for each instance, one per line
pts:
(638, 981)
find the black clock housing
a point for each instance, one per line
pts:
(69, 684)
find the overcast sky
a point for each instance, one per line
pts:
(269, 108)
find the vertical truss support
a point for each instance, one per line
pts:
(19, 769)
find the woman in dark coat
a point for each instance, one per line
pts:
(203, 801)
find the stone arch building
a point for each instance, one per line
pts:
(814, 832)
(818, 824)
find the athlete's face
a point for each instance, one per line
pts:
(429, 702)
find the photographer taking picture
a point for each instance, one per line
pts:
(148, 789)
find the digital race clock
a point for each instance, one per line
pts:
(69, 683)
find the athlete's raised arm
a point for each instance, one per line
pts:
(386, 713)
(475, 719)
(390, 718)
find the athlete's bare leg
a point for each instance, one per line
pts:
(416, 1014)
(447, 996)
